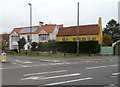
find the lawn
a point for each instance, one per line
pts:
(52, 55)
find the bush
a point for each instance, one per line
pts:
(34, 45)
(47, 46)
(67, 47)
(14, 50)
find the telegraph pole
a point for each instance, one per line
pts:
(78, 29)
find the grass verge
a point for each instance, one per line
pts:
(52, 55)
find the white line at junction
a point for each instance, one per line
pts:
(45, 72)
(23, 61)
(116, 73)
(96, 67)
(74, 74)
(52, 77)
(57, 83)
(114, 65)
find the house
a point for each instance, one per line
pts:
(83, 32)
(41, 33)
(4, 41)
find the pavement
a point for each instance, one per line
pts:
(42, 71)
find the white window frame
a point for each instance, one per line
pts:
(44, 38)
(63, 39)
(89, 38)
(80, 38)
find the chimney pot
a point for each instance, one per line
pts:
(40, 24)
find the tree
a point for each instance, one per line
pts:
(112, 29)
(3, 45)
(107, 40)
(21, 43)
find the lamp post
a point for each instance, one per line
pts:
(78, 29)
(30, 38)
(30, 21)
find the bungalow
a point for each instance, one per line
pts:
(41, 33)
(83, 32)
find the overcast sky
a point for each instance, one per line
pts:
(15, 13)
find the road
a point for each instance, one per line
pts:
(41, 71)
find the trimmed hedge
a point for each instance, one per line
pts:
(85, 47)
(47, 46)
(68, 47)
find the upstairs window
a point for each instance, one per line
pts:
(93, 38)
(14, 38)
(80, 38)
(84, 38)
(89, 38)
(43, 32)
(74, 39)
(44, 38)
(63, 39)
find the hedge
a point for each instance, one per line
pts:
(68, 47)
(84, 47)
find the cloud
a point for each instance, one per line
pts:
(15, 13)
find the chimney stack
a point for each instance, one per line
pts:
(100, 21)
(40, 24)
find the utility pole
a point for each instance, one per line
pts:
(78, 29)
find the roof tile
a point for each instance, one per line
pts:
(47, 28)
(82, 30)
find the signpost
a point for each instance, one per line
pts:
(4, 58)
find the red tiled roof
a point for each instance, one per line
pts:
(4, 34)
(47, 28)
(17, 30)
(82, 30)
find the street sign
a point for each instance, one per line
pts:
(4, 58)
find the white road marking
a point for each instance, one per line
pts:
(112, 84)
(18, 61)
(23, 61)
(32, 78)
(68, 63)
(113, 65)
(25, 65)
(50, 60)
(96, 67)
(57, 83)
(43, 78)
(45, 73)
(14, 63)
(56, 60)
(27, 62)
(10, 68)
(116, 73)
(75, 74)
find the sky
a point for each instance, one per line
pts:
(16, 13)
